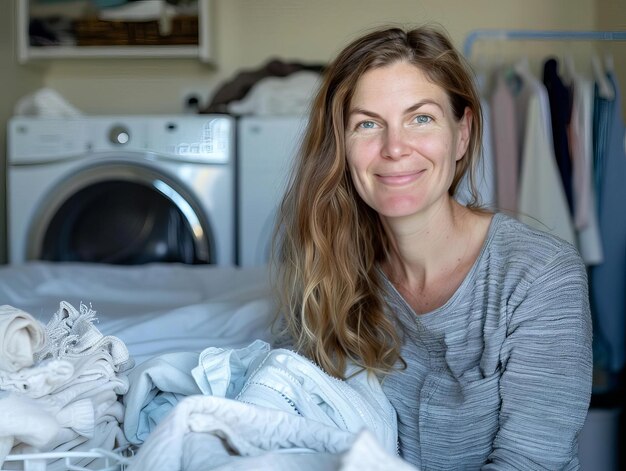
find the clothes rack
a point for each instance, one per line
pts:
(539, 35)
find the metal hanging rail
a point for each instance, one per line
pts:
(503, 34)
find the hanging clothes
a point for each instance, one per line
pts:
(485, 170)
(581, 145)
(542, 201)
(560, 113)
(608, 280)
(505, 145)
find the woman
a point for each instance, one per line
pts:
(478, 325)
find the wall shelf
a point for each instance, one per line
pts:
(201, 48)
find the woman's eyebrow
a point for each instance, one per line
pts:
(421, 103)
(410, 109)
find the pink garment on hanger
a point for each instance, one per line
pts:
(505, 145)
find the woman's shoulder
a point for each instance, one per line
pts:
(517, 245)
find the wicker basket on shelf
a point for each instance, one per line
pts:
(94, 32)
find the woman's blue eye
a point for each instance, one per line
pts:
(367, 124)
(423, 119)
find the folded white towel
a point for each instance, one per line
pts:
(37, 381)
(71, 334)
(21, 335)
(22, 420)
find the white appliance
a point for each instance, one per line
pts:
(122, 189)
(266, 149)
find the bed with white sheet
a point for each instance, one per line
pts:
(201, 386)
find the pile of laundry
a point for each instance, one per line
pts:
(60, 384)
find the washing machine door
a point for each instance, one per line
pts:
(121, 213)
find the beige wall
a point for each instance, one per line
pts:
(249, 32)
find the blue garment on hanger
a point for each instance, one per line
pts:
(602, 115)
(608, 280)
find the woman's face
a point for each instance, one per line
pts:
(402, 140)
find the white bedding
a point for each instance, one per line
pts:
(153, 309)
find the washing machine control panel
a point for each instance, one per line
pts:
(207, 139)
(48, 140)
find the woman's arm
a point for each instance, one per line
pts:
(547, 369)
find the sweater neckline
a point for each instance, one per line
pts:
(494, 224)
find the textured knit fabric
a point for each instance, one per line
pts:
(499, 377)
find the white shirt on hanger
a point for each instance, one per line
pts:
(542, 202)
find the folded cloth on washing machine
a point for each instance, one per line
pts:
(45, 102)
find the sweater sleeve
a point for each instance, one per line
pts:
(546, 359)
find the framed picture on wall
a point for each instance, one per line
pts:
(63, 29)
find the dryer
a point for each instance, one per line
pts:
(121, 189)
(266, 149)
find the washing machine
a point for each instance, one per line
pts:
(266, 149)
(122, 189)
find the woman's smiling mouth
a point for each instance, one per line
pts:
(399, 179)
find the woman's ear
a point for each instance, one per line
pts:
(464, 132)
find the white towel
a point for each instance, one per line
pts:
(243, 429)
(37, 381)
(366, 454)
(71, 334)
(21, 335)
(22, 420)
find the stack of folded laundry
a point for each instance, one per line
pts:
(59, 384)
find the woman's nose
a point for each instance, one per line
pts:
(396, 143)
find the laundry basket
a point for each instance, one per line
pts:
(98, 459)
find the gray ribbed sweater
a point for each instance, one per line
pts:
(500, 376)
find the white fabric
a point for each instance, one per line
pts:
(366, 454)
(45, 102)
(289, 382)
(22, 420)
(38, 380)
(272, 96)
(542, 202)
(581, 143)
(224, 371)
(245, 429)
(70, 334)
(21, 335)
(76, 379)
(154, 308)
(156, 386)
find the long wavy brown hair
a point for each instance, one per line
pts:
(328, 243)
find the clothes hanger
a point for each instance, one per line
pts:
(605, 89)
(522, 69)
(569, 71)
